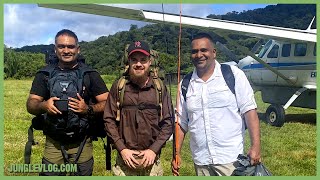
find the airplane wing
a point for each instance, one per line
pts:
(260, 31)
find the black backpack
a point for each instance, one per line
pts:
(68, 127)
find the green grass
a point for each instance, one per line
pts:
(286, 151)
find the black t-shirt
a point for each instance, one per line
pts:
(92, 81)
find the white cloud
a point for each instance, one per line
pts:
(12, 15)
(29, 24)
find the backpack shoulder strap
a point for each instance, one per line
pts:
(230, 80)
(159, 91)
(185, 85)
(228, 77)
(120, 89)
(48, 70)
(82, 71)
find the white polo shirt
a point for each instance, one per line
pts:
(211, 115)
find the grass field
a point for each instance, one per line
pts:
(286, 151)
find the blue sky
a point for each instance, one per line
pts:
(28, 24)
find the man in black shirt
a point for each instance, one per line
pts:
(41, 101)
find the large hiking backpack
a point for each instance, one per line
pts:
(68, 127)
(154, 73)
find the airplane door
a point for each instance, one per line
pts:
(272, 58)
(257, 70)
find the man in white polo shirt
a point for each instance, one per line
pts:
(212, 114)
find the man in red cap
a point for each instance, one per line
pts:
(136, 123)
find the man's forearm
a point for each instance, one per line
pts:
(252, 121)
(35, 107)
(99, 107)
(101, 102)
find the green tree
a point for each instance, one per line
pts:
(22, 64)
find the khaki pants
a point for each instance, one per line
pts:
(52, 151)
(121, 169)
(215, 169)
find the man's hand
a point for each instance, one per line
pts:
(127, 156)
(175, 165)
(36, 105)
(78, 105)
(254, 155)
(49, 106)
(148, 157)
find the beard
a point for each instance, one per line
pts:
(138, 79)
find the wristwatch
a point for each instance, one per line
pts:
(90, 112)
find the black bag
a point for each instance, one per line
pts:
(38, 121)
(261, 170)
(69, 126)
(246, 169)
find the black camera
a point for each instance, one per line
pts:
(62, 105)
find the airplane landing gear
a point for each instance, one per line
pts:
(275, 115)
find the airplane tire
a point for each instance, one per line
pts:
(275, 115)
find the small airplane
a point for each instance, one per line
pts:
(284, 70)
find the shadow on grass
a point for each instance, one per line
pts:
(308, 118)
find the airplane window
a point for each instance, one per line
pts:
(273, 52)
(286, 48)
(264, 49)
(315, 49)
(300, 49)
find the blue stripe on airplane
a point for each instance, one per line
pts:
(277, 65)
